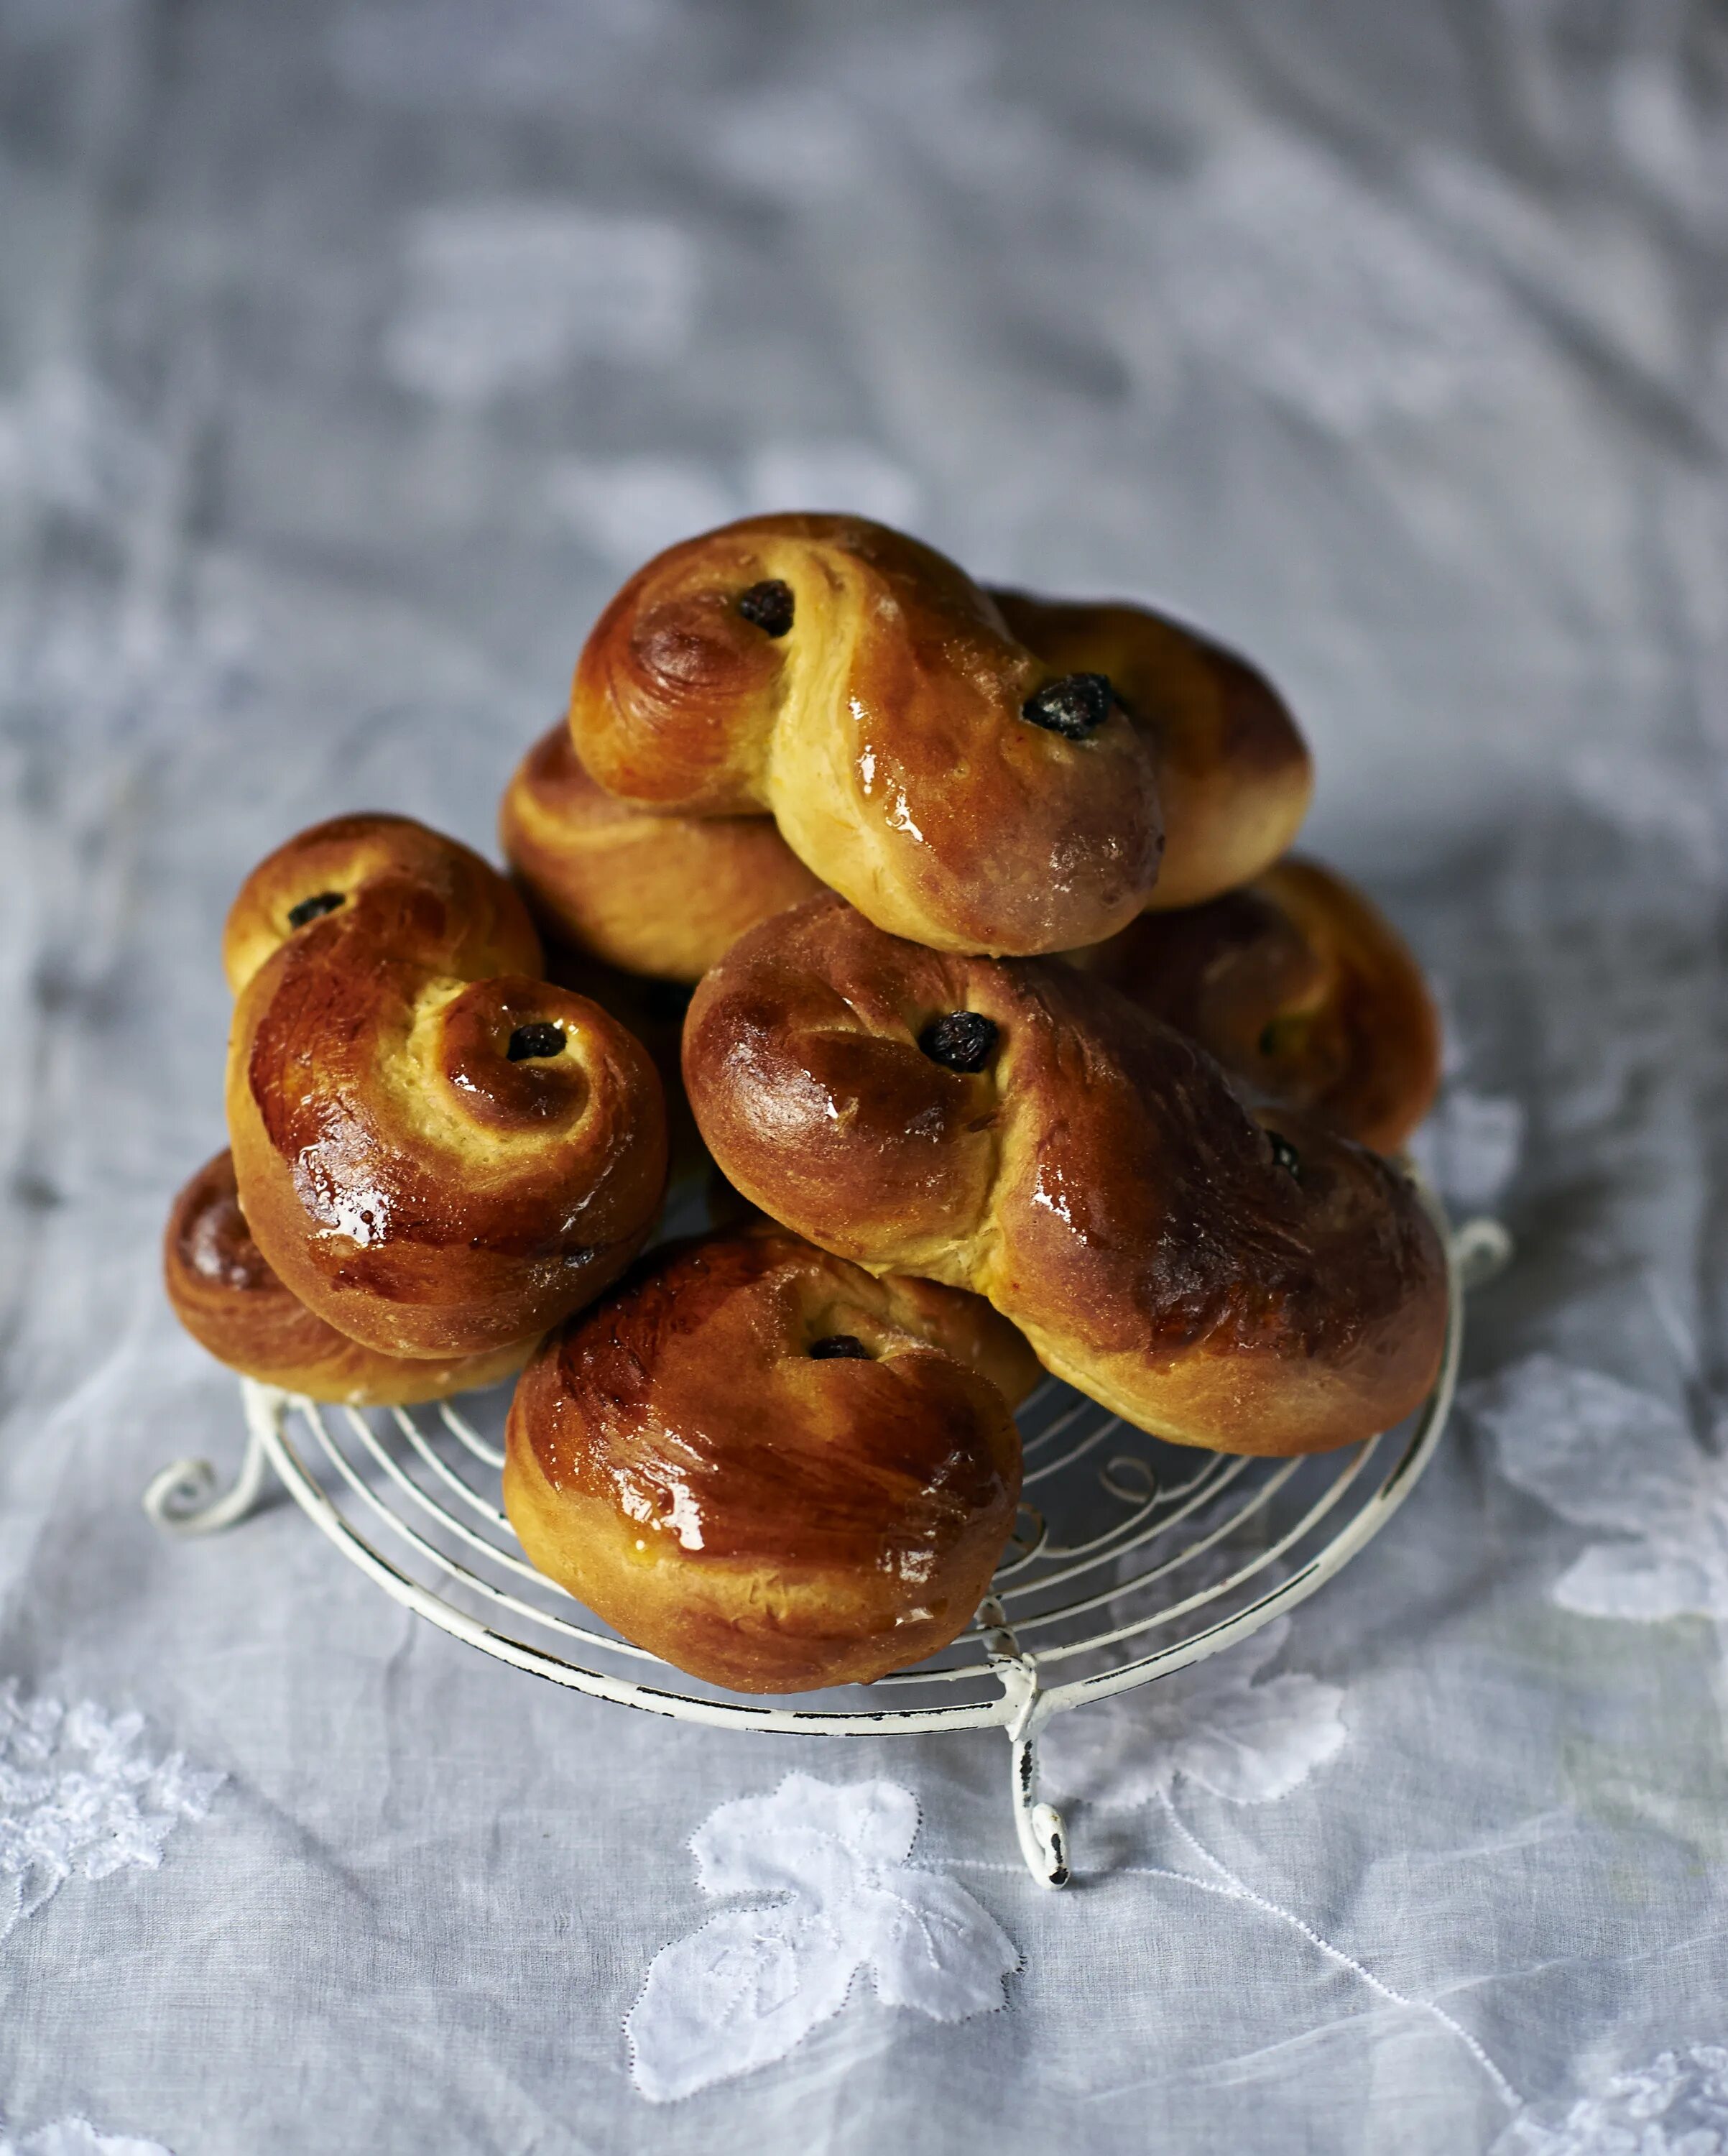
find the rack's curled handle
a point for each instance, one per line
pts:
(1481, 1250)
(183, 1499)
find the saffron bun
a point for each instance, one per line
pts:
(660, 895)
(439, 1153)
(224, 1293)
(866, 694)
(1018, 1128)
(769, 1468)
(1303, 990)
(1235, 773)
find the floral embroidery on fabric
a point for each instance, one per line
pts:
(1221, 1723)
(79, 1793)
(1226, 1728)
(1676, 2106)
(1604, 1455)
(751, 1984)
(1216, 1878)
(77, 2136)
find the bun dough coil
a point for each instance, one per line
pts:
(660, 895)
(865, 692)
(1017, 1128)
(769, 1469)
(402, 880)
(439, 1153)
(1234, 773)
(226, 1296)
(653, 1011)
(1302, 989)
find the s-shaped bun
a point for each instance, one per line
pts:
(438, 1152)
(225, 1295)
(1014, 1127)
(868, 695)
(768, 1468)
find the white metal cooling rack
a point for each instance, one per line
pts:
(1132, 1558)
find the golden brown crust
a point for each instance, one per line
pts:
(662, 895)
(1096, 1179)
(225, 1295)
(1234, 773)
(412, 1178)
(761, 1516)
(654, 1012)
(456, 900)
(883, 729)
(1302, 989)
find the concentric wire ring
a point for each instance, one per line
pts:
(1132, 1558)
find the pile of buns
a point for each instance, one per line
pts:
(1017, 1041)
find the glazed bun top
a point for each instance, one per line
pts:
(1235, 773)
(412, 887)
(862, 690)
(768, 1468)
(1017, 1128)
(752, 1396)
(437, 1155)
(1304, 991)
(226, 1295)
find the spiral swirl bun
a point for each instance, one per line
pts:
(1303, 990)
(865, 692)
(768, 1468)
(1017, 1128)
(226, 1296)
(438, 1152)
(664, 897)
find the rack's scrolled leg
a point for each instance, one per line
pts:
(1042, 1838)
(183, 1499)
(1481, 1250)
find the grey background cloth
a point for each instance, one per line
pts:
(349, 355)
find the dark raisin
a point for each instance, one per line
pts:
(1286, 1156)
(839, 1348)
(1075, 707)
(310, 909)
(1268, 1038)
(768, 606)
(964, 1041)
(532, 1040)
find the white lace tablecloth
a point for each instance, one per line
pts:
(348, 355)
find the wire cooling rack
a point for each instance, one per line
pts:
(1131, 1558)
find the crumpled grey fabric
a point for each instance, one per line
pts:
(349, 355)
